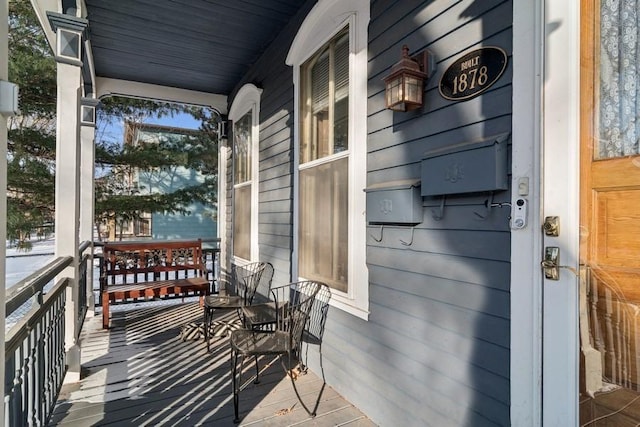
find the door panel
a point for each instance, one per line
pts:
(610, 215)
(617, 222)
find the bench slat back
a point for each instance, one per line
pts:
(126, 262)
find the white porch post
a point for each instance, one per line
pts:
(4, 53)
(87, 166)
(67, 205)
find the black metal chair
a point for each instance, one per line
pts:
(248, 281)
(293, 304)
(314, 331)
(261, 314)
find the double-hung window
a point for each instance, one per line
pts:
(242, 183)
(324, 164)
(244, 113)
(329, 56)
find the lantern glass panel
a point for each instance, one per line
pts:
(394, 91)
(413, 89)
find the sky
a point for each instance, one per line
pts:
(115, 131)
(185, 121)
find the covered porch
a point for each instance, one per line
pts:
(420, 331)
(140, 372)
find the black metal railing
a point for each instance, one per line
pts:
(82, 306)
(35, 357)
(211, 255)
(35, 361)
(35, 349)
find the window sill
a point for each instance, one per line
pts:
(348, 305)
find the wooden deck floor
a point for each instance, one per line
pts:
(141, 373)
(617, 407)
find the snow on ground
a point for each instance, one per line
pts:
(20, 264)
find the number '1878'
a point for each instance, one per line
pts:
(470, 79)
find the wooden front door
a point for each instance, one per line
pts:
(610, 212)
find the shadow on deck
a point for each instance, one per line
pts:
(141, 373)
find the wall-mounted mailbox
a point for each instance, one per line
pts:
(394, 202)
(466, 168)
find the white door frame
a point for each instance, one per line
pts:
(561, 197)
(544, 314)
(526, 243)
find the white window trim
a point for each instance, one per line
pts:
(326, 19)
(248, 100)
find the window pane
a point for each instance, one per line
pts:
(242, 149)
(320, 82)
(316, 145)
(619, 98)
(341, 126)
(325, 101)
(342, 66)
(143, 224)
(324, 242)
(242, 222)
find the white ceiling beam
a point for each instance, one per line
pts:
(114, 87)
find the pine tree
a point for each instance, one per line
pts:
(117, 200)
(32, 143)
(31, 136)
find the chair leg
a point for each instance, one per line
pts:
(303, 359)
(257, 381)
(321, 365)
(235, 380)
(205, 321)
(295, 389)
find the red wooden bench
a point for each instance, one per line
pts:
(151, 269)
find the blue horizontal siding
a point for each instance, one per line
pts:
(436, 345)
(435, 350)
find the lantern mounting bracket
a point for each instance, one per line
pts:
(425, 61)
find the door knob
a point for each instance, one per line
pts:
(551, 226)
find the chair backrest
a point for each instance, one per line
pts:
(301, 299)
(248, 277)
(262, 292)
(318, 316)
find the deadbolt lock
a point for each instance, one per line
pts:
(551, 263)
(551, 226)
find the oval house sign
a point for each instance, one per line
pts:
(473, 73)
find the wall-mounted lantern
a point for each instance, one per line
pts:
(88, 111)
(70, 31)
(404, 87)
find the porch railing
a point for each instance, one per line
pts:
(35, 358)
(35, 362)
(82, 305)
(614, 326)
